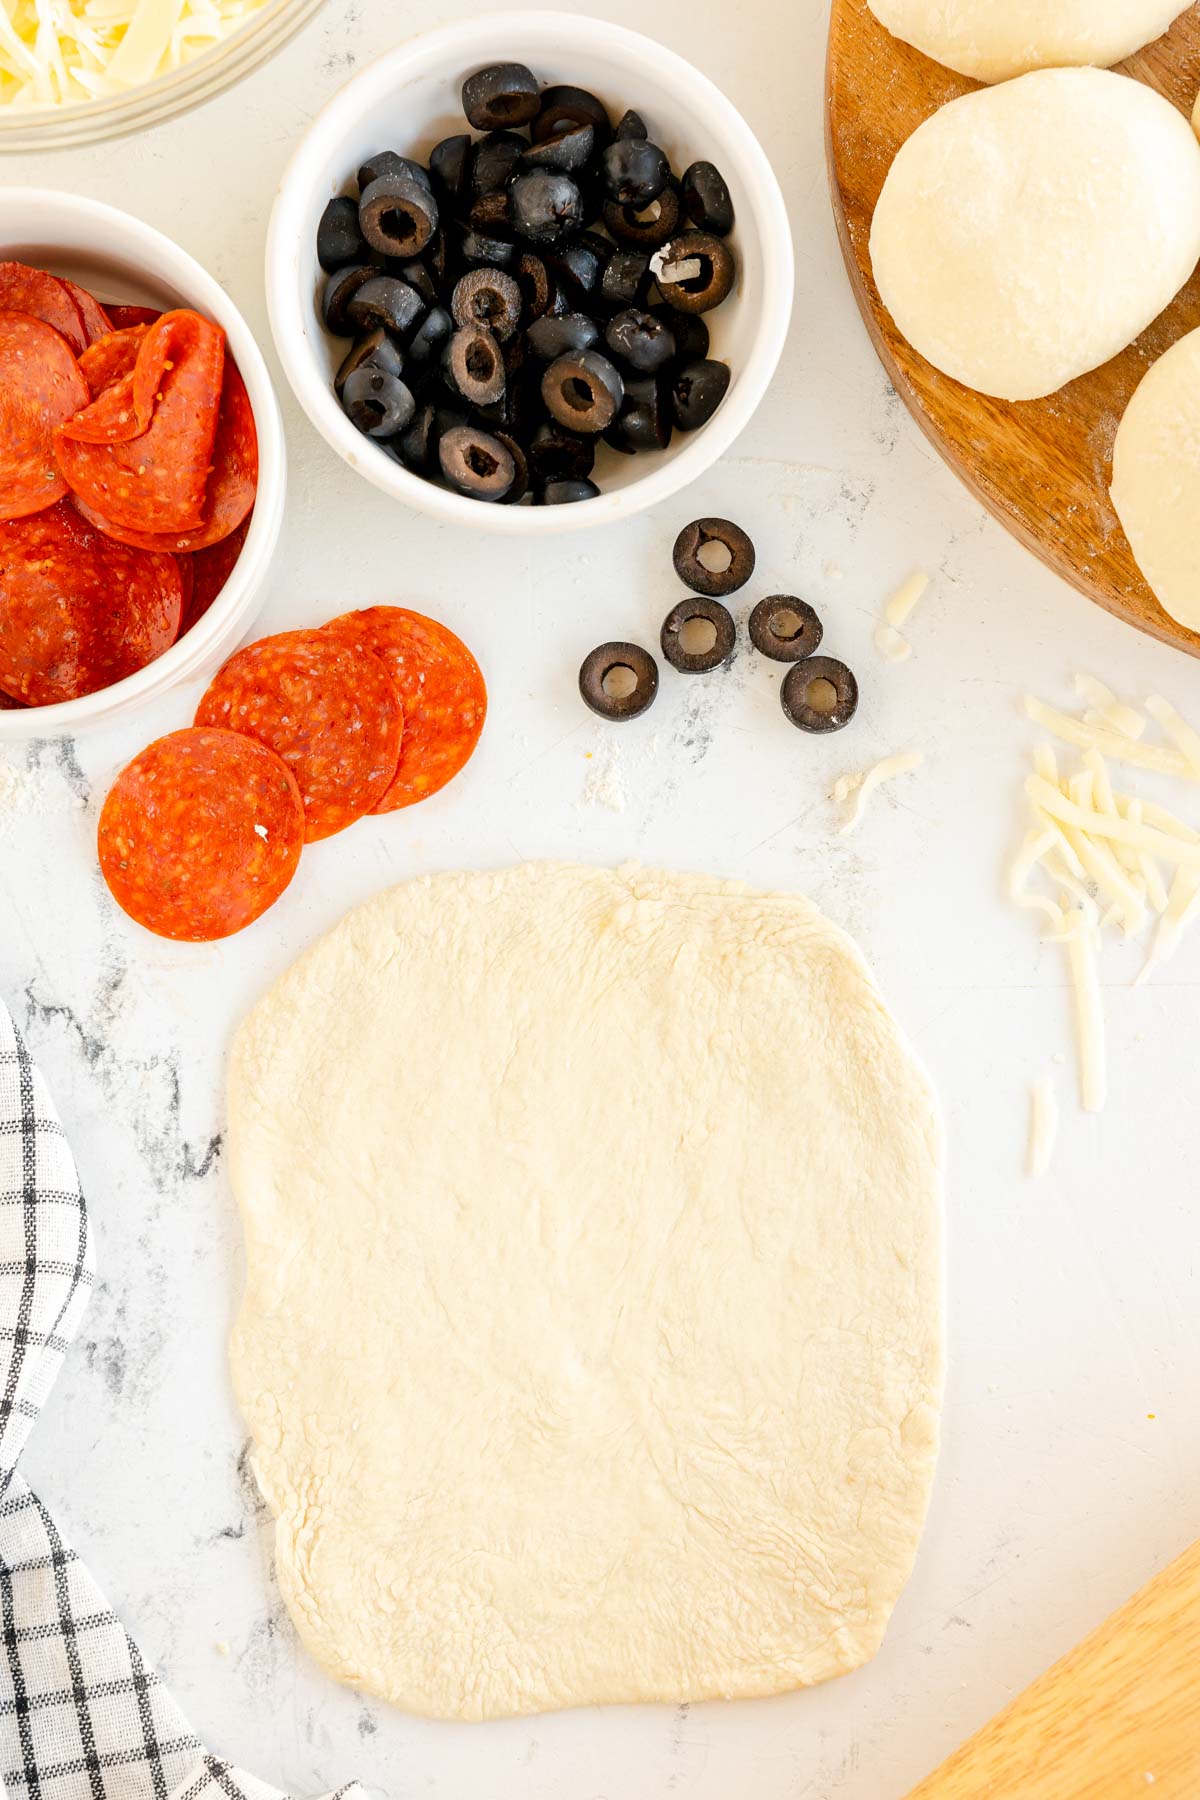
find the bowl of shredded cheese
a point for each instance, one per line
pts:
(73, 72)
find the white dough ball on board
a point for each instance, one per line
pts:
(1028, 232)
(1156, 479)
(993, 40)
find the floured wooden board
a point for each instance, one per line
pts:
(1119, 1716)
(1041, 466)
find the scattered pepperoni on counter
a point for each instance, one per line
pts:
(440, 687)
(200, 834)
(40, 387)
(327, 708)
(78, 611)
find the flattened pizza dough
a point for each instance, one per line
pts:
(995, 39)
(592, 1339)
(1156, 478)
(1028, 232)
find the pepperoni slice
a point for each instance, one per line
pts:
(327, 708)
(42, 296)
(96, 322)
(200, 834)
(124, 316)
(40, 386)
(110, 419)
(77, 611)
(440, 687)
(232, 483)
(157, 481)
(211, 569)
(7, 703)
(110, 357)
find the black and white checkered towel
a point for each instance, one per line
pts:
(82, 1717)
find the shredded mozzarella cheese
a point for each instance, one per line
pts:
(62, 52)
(863, 786)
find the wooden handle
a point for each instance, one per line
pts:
(1119, 1716)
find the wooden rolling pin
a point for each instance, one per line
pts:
(1118, 1716)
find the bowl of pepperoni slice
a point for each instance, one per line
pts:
(142, 466)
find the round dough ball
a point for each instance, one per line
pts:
(592, 1339)
(995, 39)
(1028, 232)
(1156, 479)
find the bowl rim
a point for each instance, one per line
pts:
(286, 300)
(46, 216)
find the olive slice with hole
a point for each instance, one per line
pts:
(698, 635)
(476, 463)
(618, 681)
(583, 391)
(520, 485)
(340, 289)
(819, 694)
(694, 570)
(397, 215)
(376, 402)
(374, 350)
(474, 365)
(387, 302)
(390, 162)
(785, 628)
(646, 227)
(488, 297)
(534, 282)
(564, 106)
(569, 150)
(502, 94)
(695, 271)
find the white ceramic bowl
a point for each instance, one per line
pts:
(407, 101)
(119, 258)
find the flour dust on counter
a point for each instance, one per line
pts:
(578, 1371)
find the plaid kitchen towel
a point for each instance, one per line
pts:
(82, 1716)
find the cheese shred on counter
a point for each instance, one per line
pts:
(63, 52)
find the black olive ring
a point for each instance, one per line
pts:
(601, 662)
(713, 584)
(698, 662)
(770, 641)
(802, 677)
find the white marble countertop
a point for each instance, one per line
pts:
(1073, 1310)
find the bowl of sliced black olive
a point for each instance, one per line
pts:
(533, 293)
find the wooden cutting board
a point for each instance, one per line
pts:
(1119, 1717)
(1042, 467)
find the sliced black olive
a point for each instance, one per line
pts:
(706, 199)
(397, 215)
(340, 289)
(474, 365)
(583, 391)
(374, 350)
(489, 212)
(697, 389)
(496, 158)
(634, 172)
(488, 297)
(339, 240)
(695, 271)
(632, 126)
(785, 628)
(437, 257)
(479, 249)
(558, 455)
(580, 264)
(644, 422)
(565, 106)
(450, 169)
(418, 277)
(384, 301)
(379, 404)
(417, 446)
(545, 206)
(626, 279)
(428, 341)
(618, 681)
(502, 94)
(534, 282)
(561, 334)
(819, 694)
(643, 228)
(721, 636)
(569, 150)
(565, 493)
(696, 574)
(390, 162)
(688, 329)
(520, 482)
(640, 340)
(476, 463)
